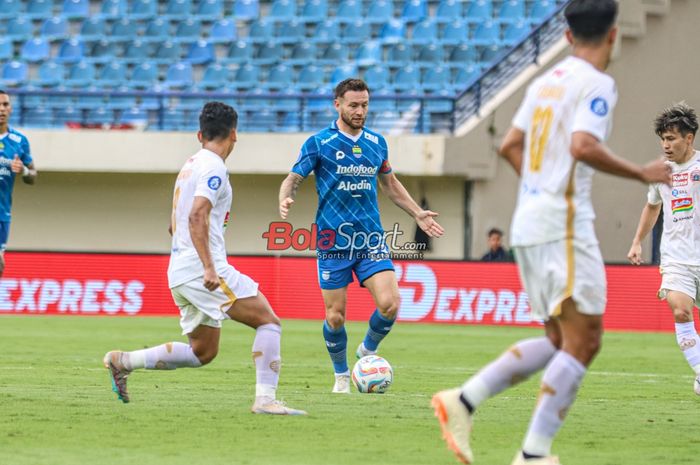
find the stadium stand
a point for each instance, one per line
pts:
(428, 49)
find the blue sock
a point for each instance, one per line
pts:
(337, 344)
(379, 327)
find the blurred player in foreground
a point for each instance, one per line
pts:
(205, 287)
(555, 145)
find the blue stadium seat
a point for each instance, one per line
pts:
(103, 51)
(35, 50)
(282, 10)
(39, 9)
(100, 115)
(246, 10)
(6, 50)
(414, 11)
(326, 32)
(406, 79)
(76, 9)
(82, 74)
(463, 54)
(425, 32)
(113, 9)
(70, 51)
(333, 54)
(291, 32)
(201, 53)
(356, 33)
(369, 53)
(399, 55)
(50, 74)
(247, 77)
(380, 11)
(209, 10)
(429, 55)
(19, 29)
(189, 103)
(112, 75)
(542, 9)
(302, 53)
(280, 77)
(487, 33)
(173, 120)
(134, 115)
(377, 77)
(188, 31)
(167, 53)
(177, 10)
(491, 54)
(14, 74)
(124, 30)
(143, 9)
(314, 11)
(321, 118)
(137, 51)
(435, 79)
(267, 54)
(95, 99)
(310, 77)
(516, 32)
(260, 31)
(93, 29)
(157, 30)
(144, 76)
(381, 99)
(511, 11)
(455, 32)
(240, 52)
(38, 117)
(55, 28)
(479, 10)
(349, 11)
(393, 31)
(464, 76)
(448, 10)
(67, 115)
(343, 72)
(216, 76)
(291, 121)
(10, 9)
(223, 31)
(179, 76)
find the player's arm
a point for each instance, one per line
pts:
(512, 148)
(28, 171)
(288, 192)
(199, 232)
(650, 214)
(392, 188)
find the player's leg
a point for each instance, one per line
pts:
(4, 234)
(335, 336)
(385, 292)
(682, 306)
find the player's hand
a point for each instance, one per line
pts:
(285, 205)
(635, 254)
(17, 165)
(656, 171)
(425, 221)
(211, 279)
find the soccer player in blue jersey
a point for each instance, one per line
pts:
(348, 160)
(15, 158)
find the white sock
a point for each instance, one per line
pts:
(167, 356)
(513, 366)
(266, 355)
(560, 383)
(689, 342)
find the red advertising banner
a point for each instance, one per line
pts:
(431, 291)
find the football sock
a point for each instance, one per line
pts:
(166, 356)
(513, 366)
(337, 344)
(379, 327)
(689, 342)
(560, 383)
(266, 355)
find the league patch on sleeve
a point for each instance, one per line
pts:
(599, 106)
(214, 183)
(386, 167)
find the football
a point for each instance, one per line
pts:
(372, 374)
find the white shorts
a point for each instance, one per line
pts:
(556, 271)
(199, 306)
(681, 278)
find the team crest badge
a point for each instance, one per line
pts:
(357, 151)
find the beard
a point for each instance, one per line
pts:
(347, 120)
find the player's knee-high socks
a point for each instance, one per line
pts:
(337, 344)
(167, 356)
(689, 342)
(379, 327)
(266, 354)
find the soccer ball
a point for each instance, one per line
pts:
(372, 374)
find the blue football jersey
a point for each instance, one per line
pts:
(346, 183)
(13, 143)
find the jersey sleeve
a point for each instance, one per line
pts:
(210, 181)
(654, 194)
(25, 153)
(593, 113)
(522, 117)
(386, 166)
(308, 158)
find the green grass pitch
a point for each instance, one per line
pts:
(636, 405)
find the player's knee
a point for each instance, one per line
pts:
(206, 355)
(682, 315)
(389, 306)
(554, 338)
(335, 319)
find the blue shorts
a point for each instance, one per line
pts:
(4, 234)
(335, 268)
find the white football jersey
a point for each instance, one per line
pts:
(680, 242)
(554, 201)
(203, 175)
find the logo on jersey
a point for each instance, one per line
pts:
(355, 186)
(357, 151)
(339, 155)
(371, 137)
(15, 137)
(214, 183)
(226, 219)
(695, 176)
(680, 179)
(356, 170)
(325, 275)
(599, 106)
(325, 141)
(684, 204)
(679, 192)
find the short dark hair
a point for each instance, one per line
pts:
(3, 92)
(590, 20)
(493, 231)
(351, 84)
(217, 120)
(679, 116)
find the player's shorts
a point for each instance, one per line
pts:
(199, 306)
(335, 269)
(556, 271)
(4, 234)
(681, 278)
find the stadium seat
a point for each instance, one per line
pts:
(37, 117)
(223, 31)
(124, 30)
(310, 77)
(76, 9)
(144, 76)
(143, 9)
(100, 115)
(455, 33)
(542, 9)
(245, 10)
(50, 74)
(82, 74)
(39, 9)
(314, 11)
(376, 77)
(177, 10)
(406, 79)
(103, 51)
(167, 53)
(369, 54)
(448, 10)
(326, 32)
(491, 54)
(260, 31)
(67, 115)
(414, 11)
(464, 77)
(19, 29)
(487, 33)
(10, 9)
(399, 55)
(35, 50)
(511, 11)
(53, 29)
(516, 32)
(280, 77)
(382, 99)
(93, 29)
(70, 51)
(112, 75)
(430, 55)
(95, 99)
(137, 51)
(6, 50)
(179, 76)
(240, 52)
(247, 77)
(134, 115)
(173, 119)
(479, 10)
(113, 9)
(216, 76)
(393, 31)
(462, 55)
(267, 54)
(14, 74)
(356, 32)
(209, 10)
(333, 54)
(302, 53)
(435, 79)
(188, 31)
(380, 11)
(157, 30)
(349, 11)
(343, 72)
(425, 32)
(439, 101)
(291, 32)
(200, 53)
(282, 10)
